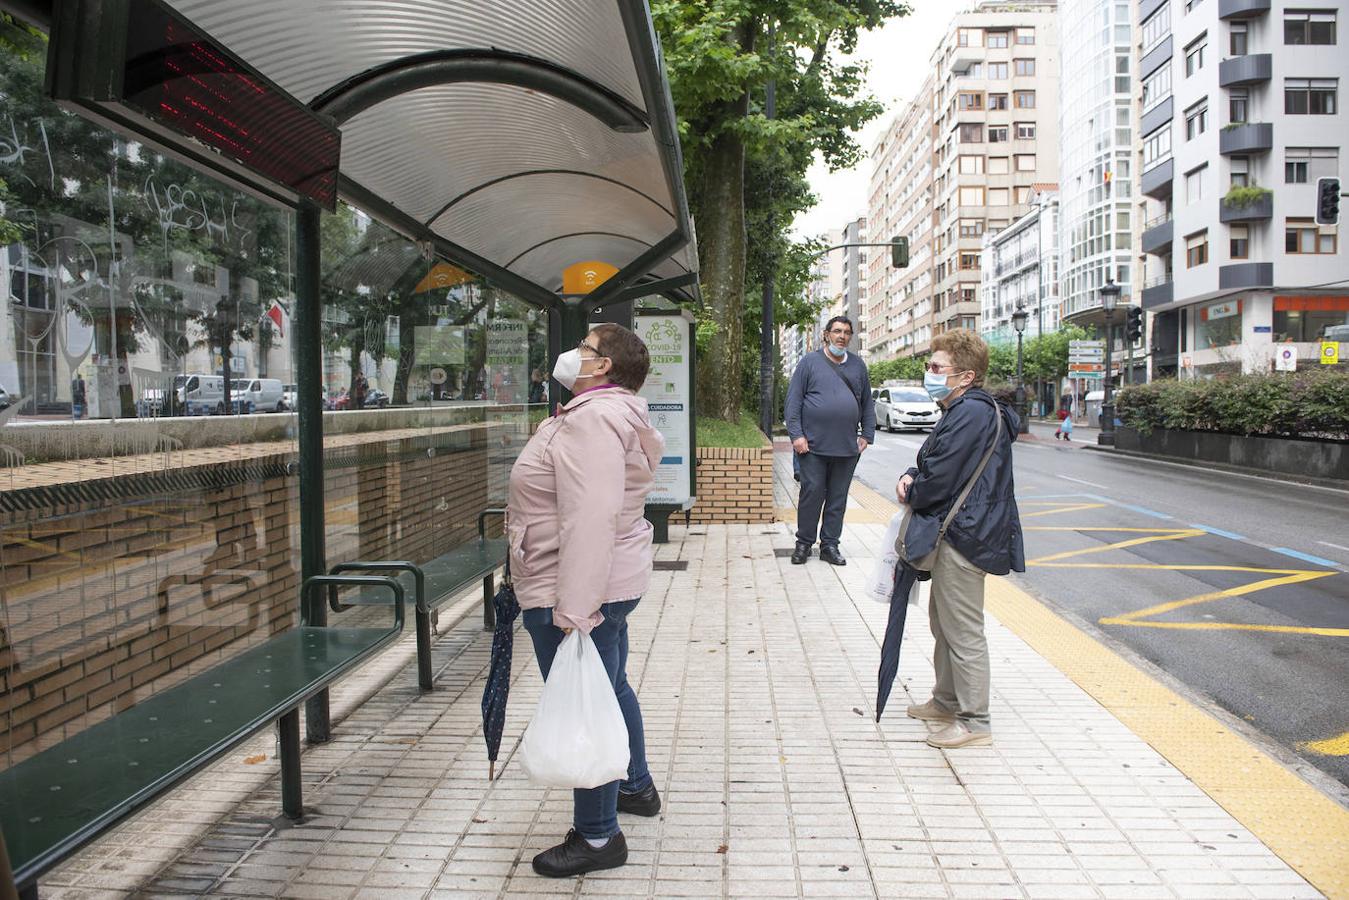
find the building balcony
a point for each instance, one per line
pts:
(1158, 292)
(1159, 115)
(1157, 236)
(1156, 58)
(1246, 138)
(1157, 181)
(1242, 9)
(1254, 68)
(1260, 209)
(1246, 275)
(1147, 7)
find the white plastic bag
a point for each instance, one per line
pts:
(577, 738)
(881, 584)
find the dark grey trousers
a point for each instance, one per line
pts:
(824, 485)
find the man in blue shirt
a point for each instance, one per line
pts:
(828, 403)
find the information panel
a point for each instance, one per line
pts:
(669, 396)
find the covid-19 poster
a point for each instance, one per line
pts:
(669, 393)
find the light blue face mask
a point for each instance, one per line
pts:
(836, 352)
(936, 385)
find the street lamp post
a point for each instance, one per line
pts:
(1109, 297)
(1019, 320)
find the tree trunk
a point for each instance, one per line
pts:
(722, 238)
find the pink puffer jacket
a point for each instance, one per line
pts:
(577, 536)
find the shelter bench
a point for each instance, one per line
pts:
(434, 583)
(55, 802)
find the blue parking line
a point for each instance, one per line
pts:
(1307, 557)
(1219, 532)
(1138, 509)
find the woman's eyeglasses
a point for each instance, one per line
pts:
(936, 368)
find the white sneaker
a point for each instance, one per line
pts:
(931, 711)
(957, 735)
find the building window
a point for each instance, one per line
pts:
(998, 196)
(1023, 194)
(996, 40)
(1196, 249)
(1157, 88)
(1157, 27)
(1194, 55)
(971, 196)
(1304, 236)
(969, 37)
(997, 70)
(998, 165)
(969, 261)
(1196, 120)
(1157, 147)
(1239, 241)
(1024, 66)
(997, 134)
(971, 134)
(1302, 165)
(1236, 41)
(1024, 99)
(1241, 169)
(1025, 36)
(1309, 26)
(997, 101)
(1310, 96)
(1025, 162)
(967, 100)
(1194, 184)
(1025, 131)
(971, 228)
(1238, 106)
(971, 165)
(1305, 319)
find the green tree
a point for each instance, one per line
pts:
(745, 173)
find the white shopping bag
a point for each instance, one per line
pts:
(881, 584)
(577, 738)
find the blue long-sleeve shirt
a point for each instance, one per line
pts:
(825, 411)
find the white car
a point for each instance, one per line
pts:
(898, 408)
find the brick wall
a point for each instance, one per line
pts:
(114, 589)
(735, 485)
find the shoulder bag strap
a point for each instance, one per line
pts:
(838, 370)
(983, 464)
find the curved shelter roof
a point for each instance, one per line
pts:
(517, 137)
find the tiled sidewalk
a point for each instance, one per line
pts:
(757, 682)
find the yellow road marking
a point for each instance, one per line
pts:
(1232, 626)
(1336, 746)
(1163, 608)
(1077, 507)
(1104, 528)
(1174, 535)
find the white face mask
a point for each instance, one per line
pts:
(567, 369)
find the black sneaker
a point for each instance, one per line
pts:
(575, 856)
(800, 554)
(832, 556)
(645, 802)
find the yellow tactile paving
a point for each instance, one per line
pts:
(1307, 829)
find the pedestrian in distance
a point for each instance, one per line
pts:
(984, 536)
(580, 557)
(1065, 429)
(359, 389)
(831, 419)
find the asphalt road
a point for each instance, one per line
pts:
(1237, 586)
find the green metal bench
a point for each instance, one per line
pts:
(55, 802)
(434, 583)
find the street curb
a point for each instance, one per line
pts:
(1307, 480)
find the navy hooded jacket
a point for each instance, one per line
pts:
(987, 529)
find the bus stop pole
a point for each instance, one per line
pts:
(568, 324)
(308, 331)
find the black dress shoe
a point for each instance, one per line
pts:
(832, 556)
(575, 856)
(645, 802)
(800, 554)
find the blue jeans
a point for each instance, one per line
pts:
(824, 486)
(596, 812)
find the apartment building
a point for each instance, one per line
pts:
(825, 290)
(899, 301)
(995, 136)
(1020, 269)
(854, 288)
(1096, 155)
(1239, 114)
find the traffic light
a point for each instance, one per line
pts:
(899, 251)
(1133, 328)
(1327, 201)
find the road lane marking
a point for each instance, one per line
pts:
(1336, 546)
(1063, 509)
(1336, 746)
(1081, 481)
(1119, 545)
(1219, 532)
(1307, 557)
(1173, 605)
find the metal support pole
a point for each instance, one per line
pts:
(1107, 436)
(424, 678)
(489, 610)
(767, 394)
(1023, 409)
(570, 324)
(308, 325)
(292, 781)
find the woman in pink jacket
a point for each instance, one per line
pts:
(581, 558)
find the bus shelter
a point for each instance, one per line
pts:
(354, 234)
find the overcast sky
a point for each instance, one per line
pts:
(898, 57)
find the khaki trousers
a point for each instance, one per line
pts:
(960, 658)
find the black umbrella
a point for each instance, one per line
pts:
(905, 576)
(498, 686)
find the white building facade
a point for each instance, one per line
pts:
(1019, 266)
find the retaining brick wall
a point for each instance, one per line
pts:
(735, 485)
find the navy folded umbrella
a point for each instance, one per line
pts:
(905, 576)
(498, 687)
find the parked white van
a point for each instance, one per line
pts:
(200, 395)
(260, 394)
